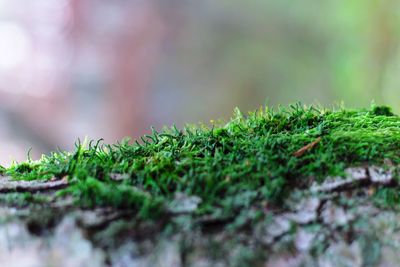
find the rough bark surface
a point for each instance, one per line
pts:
(336, 223)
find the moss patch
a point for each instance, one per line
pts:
(254, 155)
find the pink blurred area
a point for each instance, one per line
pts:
(70, 69)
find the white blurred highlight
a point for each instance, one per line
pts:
(15, 46)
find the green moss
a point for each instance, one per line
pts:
(23, 199)
(382, 110)
(251, 155)
(387, 197)
(93, 192)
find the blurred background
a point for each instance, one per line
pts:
(109, 69)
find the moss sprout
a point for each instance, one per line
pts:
(252, 155)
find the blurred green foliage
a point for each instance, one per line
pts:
(280, 52)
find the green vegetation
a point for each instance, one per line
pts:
(22, 199)
(252, 159)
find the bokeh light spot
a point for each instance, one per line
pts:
(14, 45)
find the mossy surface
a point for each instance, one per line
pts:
(255, 158)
